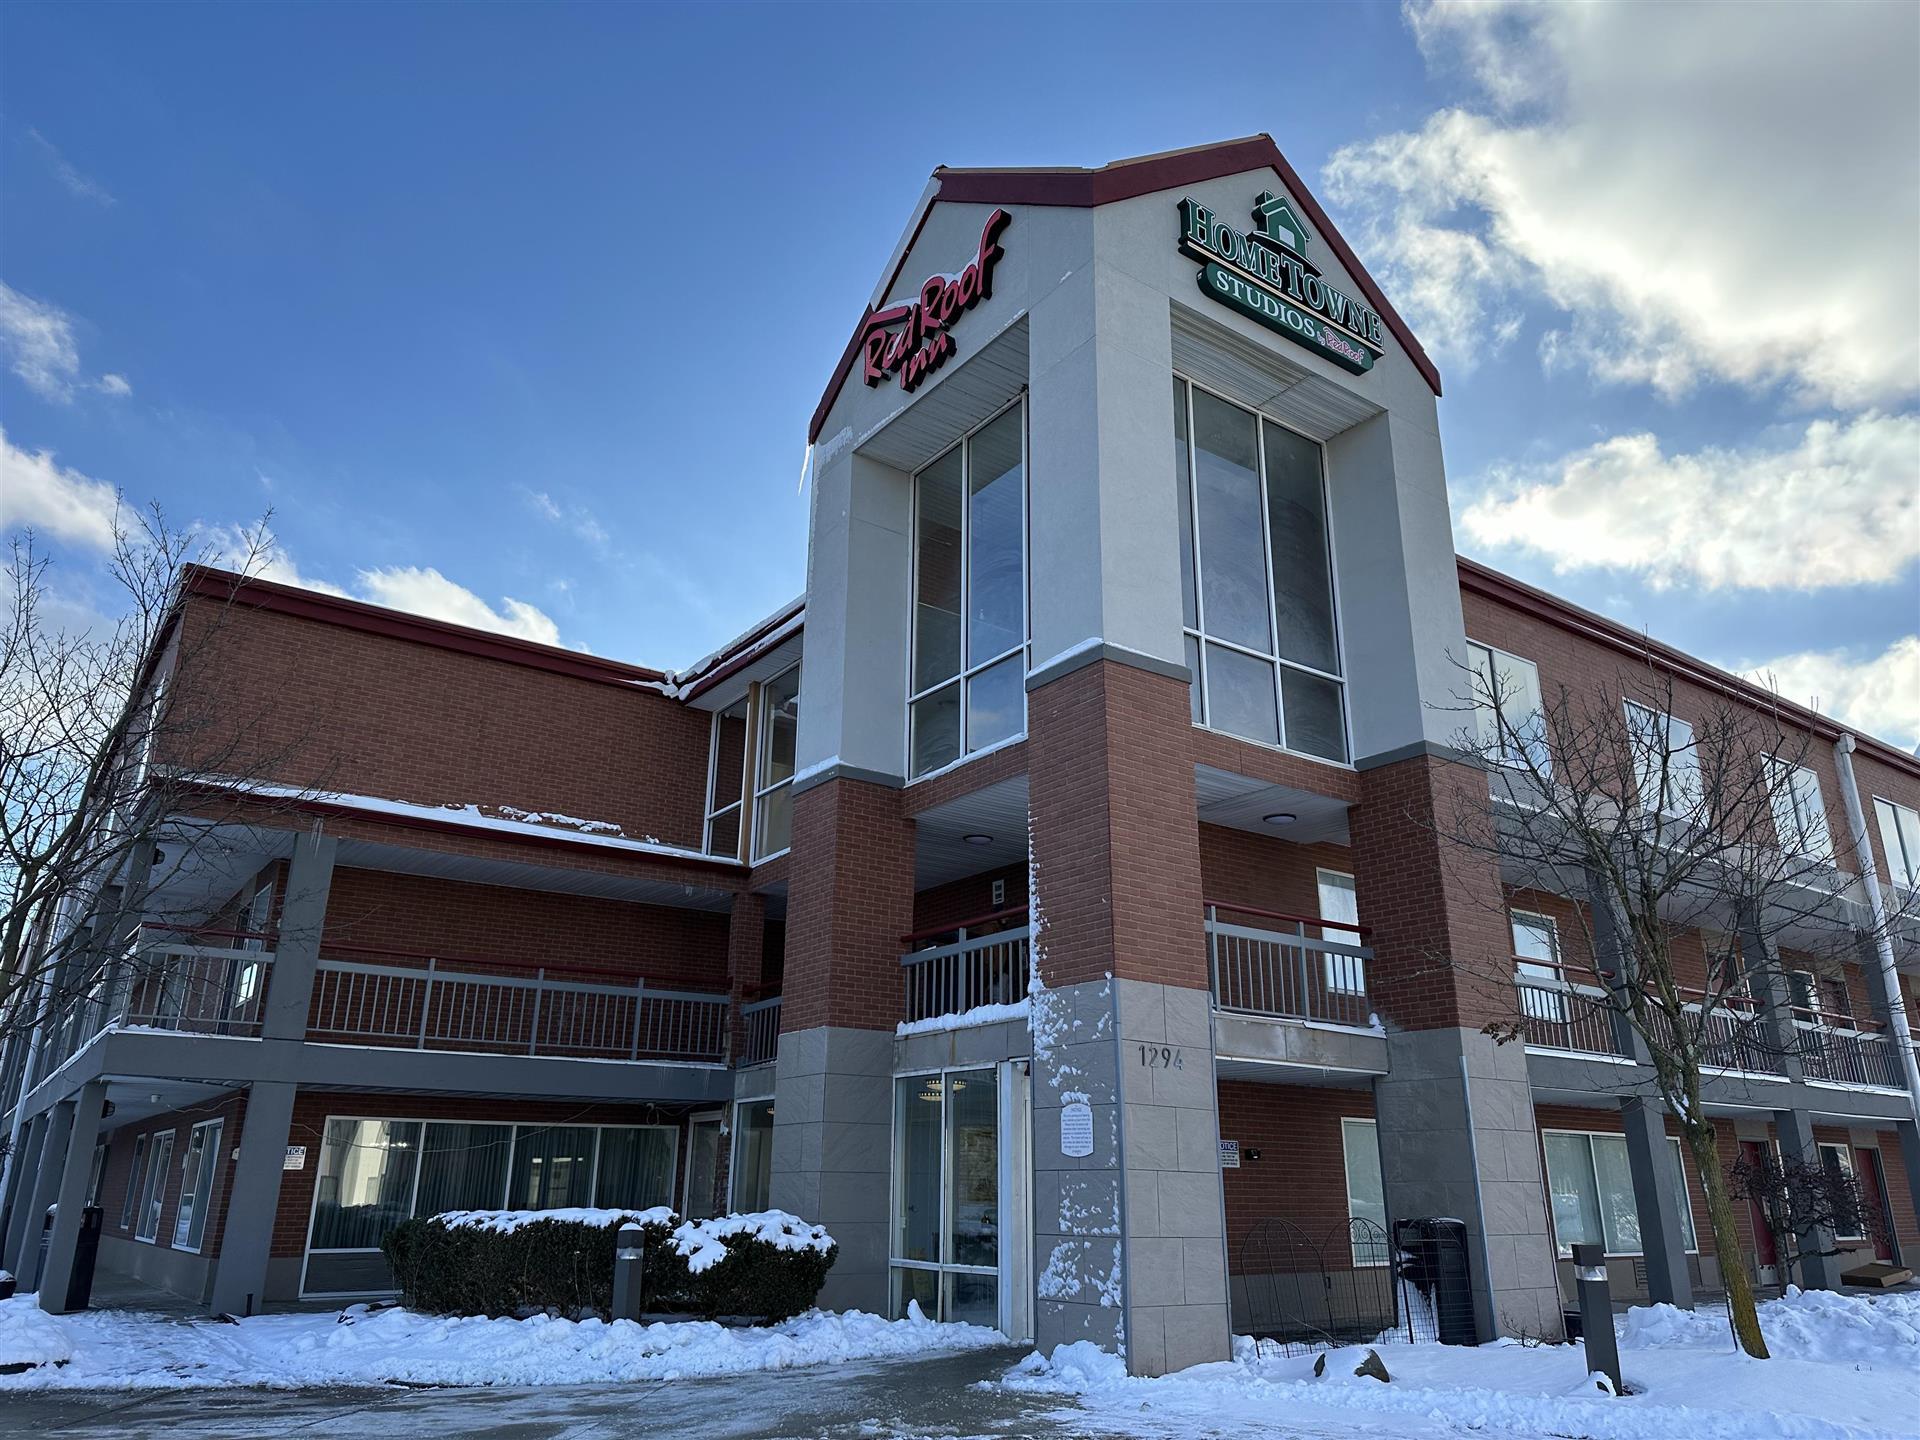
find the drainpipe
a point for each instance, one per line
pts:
(1877, 910)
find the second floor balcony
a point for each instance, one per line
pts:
(1277, 966)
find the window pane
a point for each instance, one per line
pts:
(1196, 690)
(974, 1113)
(752, 1156)
(729, 756)
(936, 609)
(1366, 1195)
(1680, 1190)
(1233, 561)
(1183, 488)
(975, 1300)
(773, 823)
(636, 1168)
(196, 1164)
(921, 1286)
(917, 1105)
(1240, 695)
(1900, 839)
(1302, 573)
(1314, 723)
(154, 1200)
(781, 717)
(135, 1178)
(723, 833)
(552, 1167)
(703, 1170)
(1619, 1213)
(464, 1167)
(1533, 939)
(1576, 1208)
(365, 1185)
(936, 730)
(996, 703)
(996, 527)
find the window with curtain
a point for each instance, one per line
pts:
(1256, 574)
(552, 1167)
(196, 1185)
(967, 674)
(1366, 1193)
(1666, 765)
(1590, 1180)
(773, 770)
(1509, 716)
(1900, 839)
(365, 1183)
(636, 1167)
(463, 1167)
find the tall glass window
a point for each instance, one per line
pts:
(726, 764)
(196, 1185)
(752, 1156)
(1256, 573)
(967, 681)
(367, 1170)
(463, 1167)
(946, 1227)
(1590, 1181)
(773, 771)
(153, 1194)
(1366, 1195)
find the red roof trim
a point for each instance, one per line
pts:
(737, 657)
(1564, 615)
(227, 587)
(1126, 180)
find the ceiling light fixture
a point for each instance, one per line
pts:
(1282, 817)
(977, 839)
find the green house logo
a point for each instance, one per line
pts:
(1276, 224)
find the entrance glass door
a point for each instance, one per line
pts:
(951, 1198)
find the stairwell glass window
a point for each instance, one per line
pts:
(773, 770)
(1799, 814)
(1256, 570)
(1900, 838)
(1666, 765)
(967, 681)
(1590, 1182)
(1536, 963)
(1509, 720)
(726, 762)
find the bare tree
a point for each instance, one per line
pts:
(1804, 1204)
(1696, 854)
(114, 756)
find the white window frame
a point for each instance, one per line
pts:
(718, 1119)
(1593, 1170)
(969, 668)
(153, 1194)
(1349, 1124)
(736, 805)
(945, 1232)
(733, 1148)
(202, 1193)
(1197, 633)
(1554, 975)
(1672, 768)
(1896, 822)
(762, 747)
(136, 1178)
(1345, 974)
(1488, 709)
(514, 1128)
(1812, 837)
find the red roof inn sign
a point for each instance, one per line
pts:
(923, 341)
(1264, 273)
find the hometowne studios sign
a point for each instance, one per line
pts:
(1264, 273)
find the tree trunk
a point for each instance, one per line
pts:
(1726, 1241)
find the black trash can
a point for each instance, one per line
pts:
(1432, 1261)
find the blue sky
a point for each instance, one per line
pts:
(428, 281)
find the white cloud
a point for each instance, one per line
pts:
(114, 385)
(37, 340)
(38, 493)
(1706, 195)
(428, 592)
(1878, 694)
(80, 186)
(576, 518)
(1836, 505)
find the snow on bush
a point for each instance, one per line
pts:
(119, 1350)
(505, 1222)
(703, 1242)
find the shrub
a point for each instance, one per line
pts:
(766, 1267)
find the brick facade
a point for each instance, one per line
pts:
(1301, 1173)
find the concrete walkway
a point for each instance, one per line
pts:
(935, 1397)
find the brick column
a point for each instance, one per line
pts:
(849, 900)
(1456, 1127)
(746, 937)
(1129, 1241)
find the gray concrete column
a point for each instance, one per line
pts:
(1795, 1130)
(1767, 981)
(20, 1184)
(297, 952)
(76, 1170)
(240, 1274)
(46, 1188)
(1658, 1200)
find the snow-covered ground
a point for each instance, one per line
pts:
(109, 1349)
(1844, 1368)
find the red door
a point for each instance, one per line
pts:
(1873, 1196)
(1763, 1251)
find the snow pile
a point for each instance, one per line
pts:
(702, 1241)
(121, 1350)
(505, 1222)
(979, 1015)
(30, 1336)
(1845, 1368)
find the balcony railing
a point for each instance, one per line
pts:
(1849, 1053)
(762, 1022)
(1555, 1015)
(1288, 973)
(963, 974)
(440, 1004)
(200, 989)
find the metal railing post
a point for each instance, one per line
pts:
(639, 1004)
(426, 1004)
(533, 1030)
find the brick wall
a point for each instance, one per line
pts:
(949, 904)
(119, 1169)
(1301, 1173)
(1115, 839)
(1242, 868)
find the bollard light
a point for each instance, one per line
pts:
(628, 1255)
(1596, 1313)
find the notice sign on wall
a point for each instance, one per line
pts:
(296, 1158)
(1229, 1154)
(1076, 1130)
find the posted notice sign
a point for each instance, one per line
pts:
(1076, 1129)
(296, 1158)
(1229, 1154)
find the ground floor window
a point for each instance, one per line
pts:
(752, 1156)
(703, 1169)
(1366, 1194)
(136, 1177)
(98, 1173)
(153, 1190)
(1591, 1183)
(946, 1230)
(1849, 1223)
(196, 1185)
